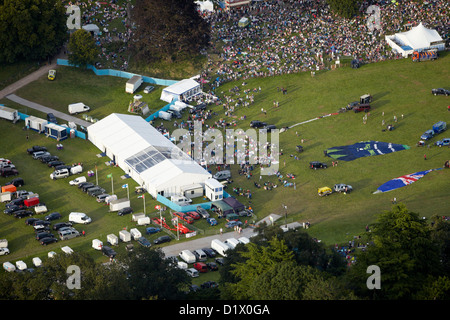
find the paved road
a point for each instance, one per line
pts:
(205, 242)
(44, 109)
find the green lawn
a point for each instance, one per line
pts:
(398, 87)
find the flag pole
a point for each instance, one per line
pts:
(96, 175)
(128, 192)
(112, 184)
(143, 199)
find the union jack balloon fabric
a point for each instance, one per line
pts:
(402, 181)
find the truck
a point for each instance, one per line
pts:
(124, 236)
(75, 108)
(32, 202)
(118, 204)
(9, 113)
(219, 247)
(425, 55)
(133, 84)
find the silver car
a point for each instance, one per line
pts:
(341, 187)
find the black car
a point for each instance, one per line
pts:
(22, 213)
(7, 172)
(107, 251)
(48, 159)
(197, 108)
(30, 221)
(440, 91)
(209, 284)
(220, 261)
(60, 225)
(62, 166)
(124, 211)
(40, 222)
(16, 202)
(34, 149)
(53, 216)
(269, 127)
(45, 234)
(317, 165)
(12, 209)
(55, 163)
(209, 252)
(257, 124)
(45, 241)
(212, 266)
(86, 186)
(17, 182)
(51, 118)
(161, 239)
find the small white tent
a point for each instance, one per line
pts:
(182, 90)
(91, 28)
(419, 38)
(205, 6)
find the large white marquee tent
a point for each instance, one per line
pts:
(419, 38)
(182, 90)
(146, 155)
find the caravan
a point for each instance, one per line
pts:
(75, 108)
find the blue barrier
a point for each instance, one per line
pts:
(22, 116)
(155, 115)
(192, 207)
(118, 73)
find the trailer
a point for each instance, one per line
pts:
(135, 234)
(9, 113)
(118, 204)
(143, 221)
(32, 202)
(37, 262)
(9, 188)
(124, 236)
(35, 123)
(5, 196)
(3, 243)
(112, 239)
(133, 84)
(425, 55)
(136, 216)
(20, 265)
(56, 132)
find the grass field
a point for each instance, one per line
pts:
(398, 87)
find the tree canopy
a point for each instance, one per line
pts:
(82, 48)
(168, 29)
(31, 29)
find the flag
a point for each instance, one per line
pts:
(141, 196)
(157, 207)
(402, 181)
(125, 186)
(109, 175)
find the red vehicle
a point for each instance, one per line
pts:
(201, 266)
(183, 217)
(32, 202)
(194, 215)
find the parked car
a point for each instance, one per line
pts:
(7, 172)
(40, 222)
(34, 149)
(209, 284)
(270, 127)
(443, 142)
(53, 216)
(440, 91)
(220, 261)
(124, 211)
(257, 124)
(194, 215)
(30, 221)
(17, 182)
(12, 209)
(4, 251)
(60, 225)
(161, 239)
(232, 224)
(48, 159)
(192, 272)
(324, 191)
(102, 197)
(22, 214)
(44, 234)
(144, 242)
(47, 240)
(211, 221)
(152, 230)
(342, 187)
(51, 118)
(209, 252)
(201, 211)
(427, 135)
(55, 163)
(361, 107)
(148, 89)
(183, 217)
(317, 165)
(212, 266)
(39, 154)
(107, 251)
(201, 267)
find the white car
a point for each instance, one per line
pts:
(77, 181)
(4, 251)
(148, 89)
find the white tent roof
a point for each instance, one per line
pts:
(419, 37)
(91, 27)
(205, 5)
(139, 146)
(182, 86)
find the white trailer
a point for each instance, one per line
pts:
(79, 107)
(97, 244)
(5, 196)
(37, 262)
(112, 239)
(67, 250)
(35, 123)
(3, 243)
(135, 233)
(118, 204)
(219, 247)
(136, 216)
(133, 84)
(124, 236)
(21, 265)
(110, 198)
(9, 113)
(143, 221)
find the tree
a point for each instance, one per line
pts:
(31, 29)
(344, 8)
(403, 250)
(168, 29)
(82, 48)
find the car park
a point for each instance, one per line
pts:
(317, 165)
(144, 242)
(161, 239)
(342, 187)
(47, 240)
(440, 91)
(53, 216)
(124, 211)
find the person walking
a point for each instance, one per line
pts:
(424, 157)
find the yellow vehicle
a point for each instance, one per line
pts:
(51, 75)
(324, 191)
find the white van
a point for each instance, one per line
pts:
(219, 247)
(59, 174)
(79, 217)
(232, 242)
(77, 181)
(244, 240)
(77, 108)
(180, 200)
(201, 255)
(187, 256)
